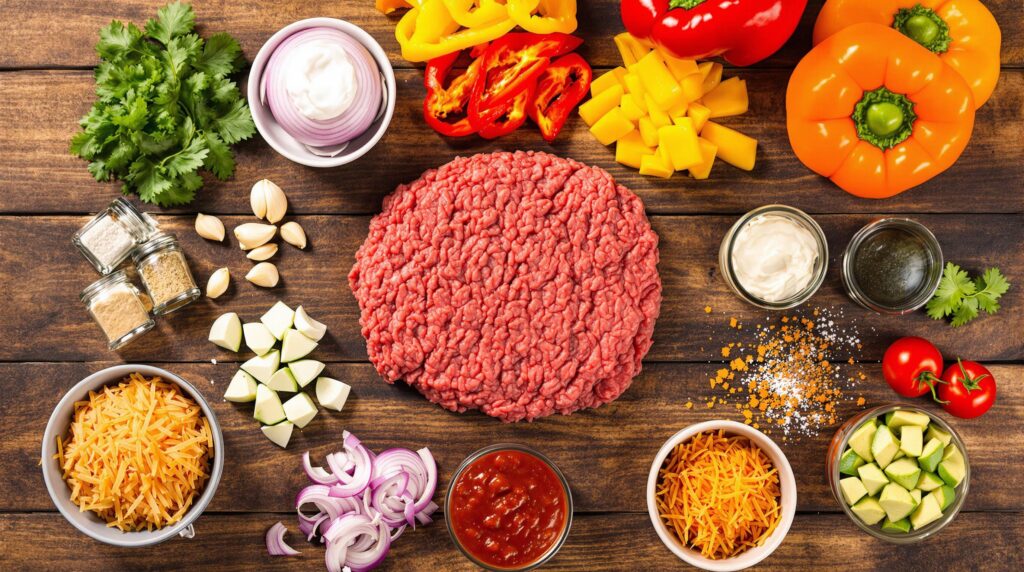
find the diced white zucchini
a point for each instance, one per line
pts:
(242, 388)
(305, 370)
(300, 410)
(332, 393)
(295, 346)
(226, 331)
(263, 367)
(278, 319)
(258, 338)
(280, 434)
(269, 410)
(282, 380)
(309, 327)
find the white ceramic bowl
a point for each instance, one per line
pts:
(284, 143)
(88, 522)
(787, 484)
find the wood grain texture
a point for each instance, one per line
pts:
(42, 110)
(605, 453)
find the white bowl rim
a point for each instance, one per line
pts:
(787, 483)
(383, 64)
(55, 485)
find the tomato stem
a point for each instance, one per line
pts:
(969, 383)
(884, 118)
(924, 26)
(930, 379)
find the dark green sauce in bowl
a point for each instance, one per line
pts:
(892, 266)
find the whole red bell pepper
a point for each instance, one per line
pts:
(743, 32)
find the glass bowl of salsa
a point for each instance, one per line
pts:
(508, 508)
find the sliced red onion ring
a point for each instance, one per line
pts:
(362, 467)
(317, 474)
(276, 545)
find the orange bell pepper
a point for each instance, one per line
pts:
(875, 112)
(963, 32)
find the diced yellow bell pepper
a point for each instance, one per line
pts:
(693, 87)
(734, 147)
(680, 68)
(654, 166)
(658, 81)
(634, 85)
(607, 80)
(682, 144)
(629, 48)
(728, 98)
(630, 108)
(678, 110)
(612, 126)
(621, 73)
(630, 149)
(600, 104)
(658, 116)
(707, 151)
(712, 75)
(648, 132)
(699, 114)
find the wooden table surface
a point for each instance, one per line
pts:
(49, 343)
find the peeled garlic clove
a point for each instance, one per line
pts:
(293, 234)
(209, 227)
(277, 202)
(263, 274)
(261, 253)
(253, 234)
(258, 199)
(218, 283)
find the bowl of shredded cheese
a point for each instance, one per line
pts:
(132, 455)
(721, 495)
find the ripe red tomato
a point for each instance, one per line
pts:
(969, 389)
(911, 365)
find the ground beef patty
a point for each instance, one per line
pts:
(519, 284)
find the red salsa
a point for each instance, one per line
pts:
(508, 508)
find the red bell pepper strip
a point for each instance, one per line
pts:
(743, 32)
(559, 89)
(446, 109)
(511, 116)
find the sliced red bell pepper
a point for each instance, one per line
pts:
(560, 88)
(511, 117)
(446, 108)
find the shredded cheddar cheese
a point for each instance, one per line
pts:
(137, 454)
(720, 494)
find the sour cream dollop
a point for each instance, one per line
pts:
(321, 80)
(773, 257)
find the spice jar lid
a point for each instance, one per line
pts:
(101, 284)
(158, 241)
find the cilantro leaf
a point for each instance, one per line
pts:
(172, 20)
(117, 39)
(188, 159)
(219, 56)
(236, 124)
(962, 297)
(220, 162)
(965, 313)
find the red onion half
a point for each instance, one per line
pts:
(351, 123)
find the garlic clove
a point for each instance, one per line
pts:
(293, 234)
(261, 253)
(263, 274)
(258, 199)
(218, 282)
(277, 202)
(209, 227)
(253, 234)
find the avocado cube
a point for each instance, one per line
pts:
(945, 495)
(911, 440)
(916, 493)
(929, 482)
(849, 462)
(860, 440)
(853, 490)
(904, 472)
(872, 477)
(936, 432)
(896, 501)
(884, 446)
(926, 513)
(900, 526)
(868, 511)
(888, 417)
(951, 468)
(902, 417)
(952, 453)
(930, 456)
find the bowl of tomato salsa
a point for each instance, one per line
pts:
(508, 508)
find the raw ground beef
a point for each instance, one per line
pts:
(519, 284)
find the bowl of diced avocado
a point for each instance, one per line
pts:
(900, 472)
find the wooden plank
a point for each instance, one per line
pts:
(596, 543)
(606, 453)
(42, 110)
(32, 43)
(50, 273)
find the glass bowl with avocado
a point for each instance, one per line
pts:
(900, 473)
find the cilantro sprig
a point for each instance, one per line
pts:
(165, 108)
(962, 297)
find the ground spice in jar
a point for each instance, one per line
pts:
(107, 240)
(167, 276)
(117, 307)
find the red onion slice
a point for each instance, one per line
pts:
(317, 474)
(276, 545)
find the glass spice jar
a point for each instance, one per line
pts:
(117, 306)
(107, 239)
(165, 272)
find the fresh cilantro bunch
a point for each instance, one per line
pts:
(165, 108)
(962, 297)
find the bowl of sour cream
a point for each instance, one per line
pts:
(774, 257)
(322, 92)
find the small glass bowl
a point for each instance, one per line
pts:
(568, 506)
(838, 445)
(928, 287)
(820, 265)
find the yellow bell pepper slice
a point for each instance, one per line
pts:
(734, 147)
(599, 105)
(630, 149)
(634, 85)
(658, 81)
(487, 12)
(605, 81)
(693, 87)
(658, 115)
(728, 98)
(682, 144)
(678, 110)
(612, 127)
(654, 166)
(389, 6)
(433, 22)
(630, 108)
(648, 132)
(680, 68)
(630, 49)
(712, 73)
(699, 114)
(707, 151)
(555, 15)
(430, 41)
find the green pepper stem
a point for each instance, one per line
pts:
(897, 118)
(924, 26)
(685, 4)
